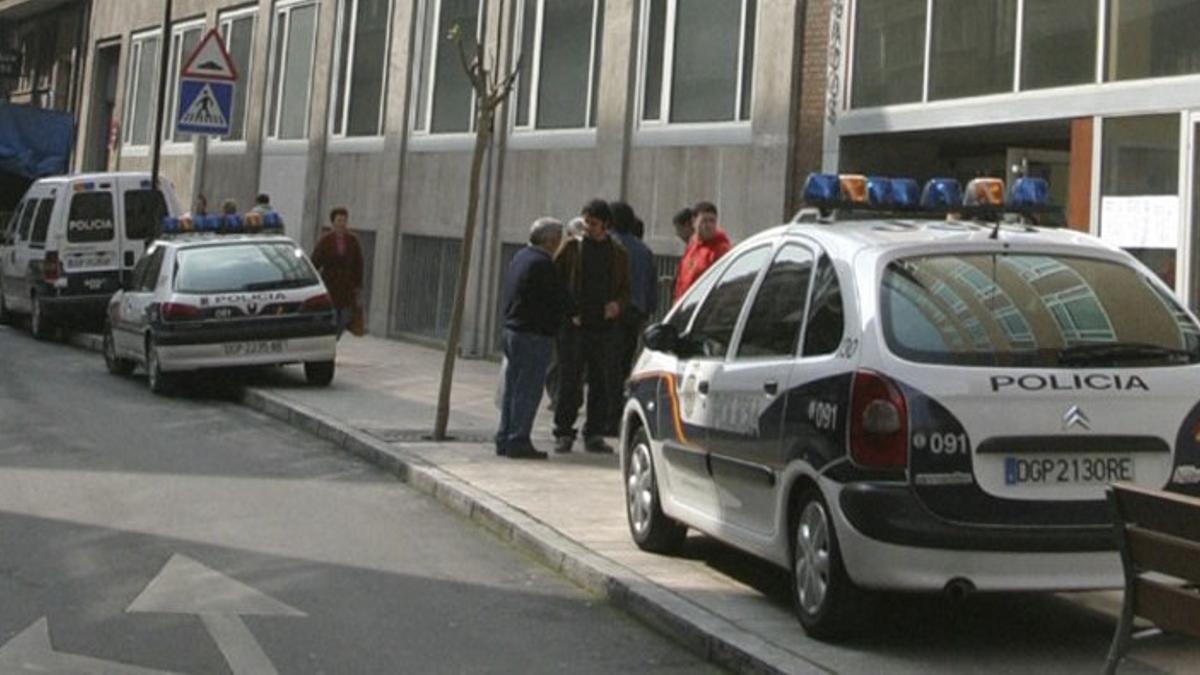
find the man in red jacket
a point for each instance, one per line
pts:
(705, 248)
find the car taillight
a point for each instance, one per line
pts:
(878, 422)
(318, 303)
(177, 311)
(51, 267)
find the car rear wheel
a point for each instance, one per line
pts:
(39, 325)
(318, 373)
(115, 364)
(651, 529)
(160, 383)
(828, 604)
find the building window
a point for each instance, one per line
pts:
(889, 52)
(1139, 182)
(972, 47)
(140, 86)
(698, 59)
(293, 43)
(1058, 43)
(184, 39)
(237, 30)
(560, 48)
(361, 67)
(445, 100)
(1152, 38)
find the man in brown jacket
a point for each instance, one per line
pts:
(338, 257)
(596, 271)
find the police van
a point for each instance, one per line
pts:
(71, 242)
(911, 390)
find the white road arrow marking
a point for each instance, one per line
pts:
(31, 652)
(184, 586)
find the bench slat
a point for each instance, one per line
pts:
(1157, 552)
(1169, 607)
(1165, 512)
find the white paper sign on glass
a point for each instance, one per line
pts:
(1140, 222)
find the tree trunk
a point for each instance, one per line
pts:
(482, 137)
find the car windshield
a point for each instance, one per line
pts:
(242, 267)
(1031, 310)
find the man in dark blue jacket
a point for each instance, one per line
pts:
(643, 301)
(536, 303)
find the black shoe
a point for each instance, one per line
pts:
(501, 450)
(596, 444)
(526, 452)
(562, 444)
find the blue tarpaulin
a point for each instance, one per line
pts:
(34, 142)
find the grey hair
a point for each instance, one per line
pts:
(543, 229)
(577, 227)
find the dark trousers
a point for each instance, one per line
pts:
(590, 353)
(630, 328)
(528, 355)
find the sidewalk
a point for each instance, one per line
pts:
(569, 513)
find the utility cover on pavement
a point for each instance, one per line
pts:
(205, 107)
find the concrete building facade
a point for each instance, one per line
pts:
(363, 103)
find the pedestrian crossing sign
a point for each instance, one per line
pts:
(205, 106)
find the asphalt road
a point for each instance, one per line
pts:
(141, 534)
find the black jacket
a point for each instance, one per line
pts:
(535, 298)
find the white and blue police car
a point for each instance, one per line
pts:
(221, 295)
(919, 393)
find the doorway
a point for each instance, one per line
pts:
(101, 113)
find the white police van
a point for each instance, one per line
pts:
(912, 402)
(71, 241)
(228, 294)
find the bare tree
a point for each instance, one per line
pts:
(490, 90)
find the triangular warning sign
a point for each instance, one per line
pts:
(204, 111)
(210, 60)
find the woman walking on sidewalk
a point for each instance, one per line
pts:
(338, 257)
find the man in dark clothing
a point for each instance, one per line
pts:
(596, 270)
(642, 302)
(535, 304)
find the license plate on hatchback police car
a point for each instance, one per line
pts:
(1068, 470)
(255, 347)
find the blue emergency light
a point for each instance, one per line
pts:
(272, 221)
(231, 223)
(906, 193)
(822, 187)
(941, 193)
(1028, 192)
(879, 190)
(170, 225)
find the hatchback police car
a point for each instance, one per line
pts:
(911, 403)
(205, 300)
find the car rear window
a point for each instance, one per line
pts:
(1031, 310)
(91, 217)
(242, 267)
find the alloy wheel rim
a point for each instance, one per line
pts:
(639, 488)
(812, 558)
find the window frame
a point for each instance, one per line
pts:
(45, 208)
(278, 45)
(735, 335)
(535, 71)
(137, 44)
(668, 66)
(225, 21)
(174, 73)
(346, 87)
(425, 74)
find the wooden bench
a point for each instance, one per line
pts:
(1159, 536)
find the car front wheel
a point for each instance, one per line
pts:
(319, 373)
(828, 604)
(652, 530)
(115, 364)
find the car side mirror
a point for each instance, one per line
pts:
(661, 337)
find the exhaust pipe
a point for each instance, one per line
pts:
(958, 588)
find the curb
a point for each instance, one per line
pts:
(703, 632)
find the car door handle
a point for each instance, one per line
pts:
(702, 387)
(771, 387)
